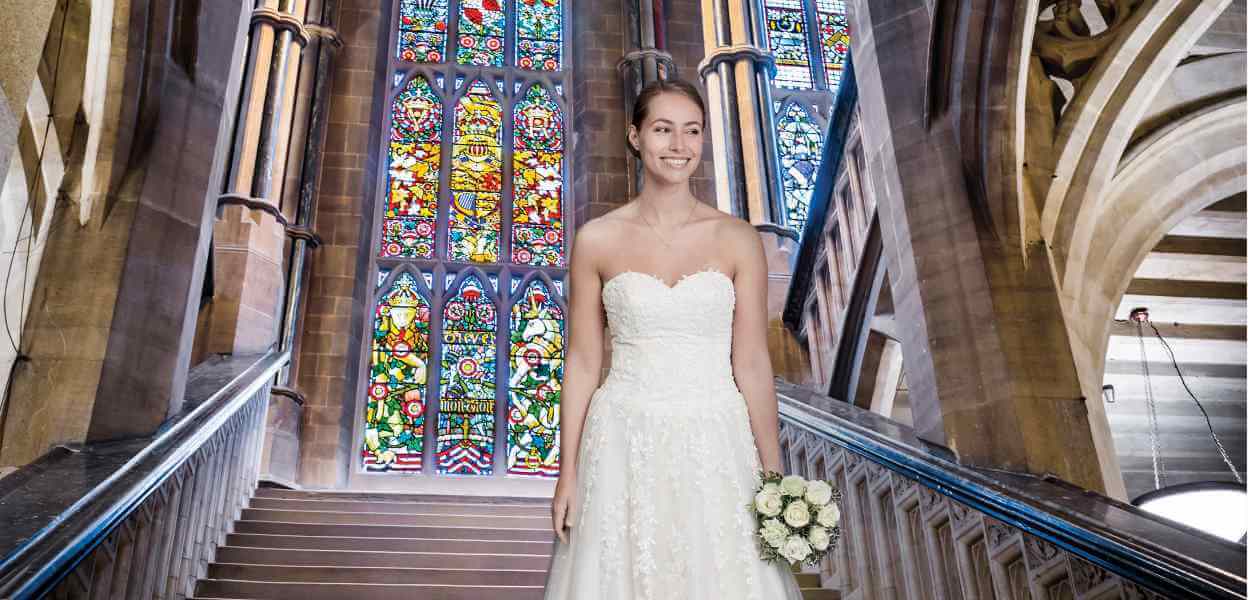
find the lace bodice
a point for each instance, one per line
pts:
(668, 339)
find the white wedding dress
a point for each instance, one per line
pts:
(667, 463)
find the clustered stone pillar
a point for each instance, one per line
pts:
(249, 234)
(649, 60)
(736, 71)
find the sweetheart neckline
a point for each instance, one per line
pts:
(658, 280)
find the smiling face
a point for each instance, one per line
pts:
(670, 138)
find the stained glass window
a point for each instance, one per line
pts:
(536, 383)
(538, 30)
(786, 32)
(470, 225)
(422, 30)
(537, 167)
(398, 374)
(482, 25)
(476, 176)
(415, 160)
(466, 409)
(803, 89)
(801, 146)
(833, 39)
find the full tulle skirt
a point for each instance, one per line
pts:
(661, 512)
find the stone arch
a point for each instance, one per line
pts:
(1097, 126)
(1168, 176)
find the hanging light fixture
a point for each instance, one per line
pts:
(1216, 507)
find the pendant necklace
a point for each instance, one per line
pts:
(656, 231)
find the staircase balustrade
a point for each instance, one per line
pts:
(918, 525)
(140, 519)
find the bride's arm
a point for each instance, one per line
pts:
(584, 345)
(751, 360)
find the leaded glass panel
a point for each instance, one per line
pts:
(801, 146)
(536, 383)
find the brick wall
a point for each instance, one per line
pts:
(328, 352)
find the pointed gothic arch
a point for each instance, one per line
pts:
(472, 192)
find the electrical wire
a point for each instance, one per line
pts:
(19, 357)
(1208, 422)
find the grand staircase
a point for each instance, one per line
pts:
(292, 545)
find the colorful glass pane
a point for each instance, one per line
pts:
(481, 27)
(476, 176)
(467, 382)
(410, 219)
(801, 147)
(538, 29)
(536, 383)
(395, 420)
(833, 39)
(537, 181)
(786, 34)
(422, 30)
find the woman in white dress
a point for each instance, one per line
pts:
(660, 462)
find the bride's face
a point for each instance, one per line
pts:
(670, 138)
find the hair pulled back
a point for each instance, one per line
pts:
(650, 91)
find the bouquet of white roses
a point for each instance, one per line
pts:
(798, 520)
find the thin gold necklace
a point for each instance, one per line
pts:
(694, 206)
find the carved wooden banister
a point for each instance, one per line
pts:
(918, 525)
(139, 518)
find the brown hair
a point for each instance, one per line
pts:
(650, 91)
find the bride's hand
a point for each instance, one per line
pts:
(562, 506)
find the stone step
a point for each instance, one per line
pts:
(404, 507)
(820, 594)
(456, 499)
(438, 556)
(395, 531)
(423, 520)
(266, 590)
(376, 575)
(449, 546)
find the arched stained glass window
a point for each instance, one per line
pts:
(469, 225)
(804, 89)
(476, 176)
(466, 409)
(398, 374)
(537, 164)
(801, 146)
(415, 153)
(536, 382)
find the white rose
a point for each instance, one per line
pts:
(774, 532)
(773, 488)
(797, 514)
(819, 538)
(768, 503)
(793, 485)
(818, 493)
(795, 549)
(829, 516)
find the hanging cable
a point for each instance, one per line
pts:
(1208, 422)
(1140, 316)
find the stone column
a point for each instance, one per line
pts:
(987, 359)
(280, 460)
(249, 235)
(736, 71)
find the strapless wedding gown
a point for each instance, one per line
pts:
(667, 461)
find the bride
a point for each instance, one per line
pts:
(660, 461)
